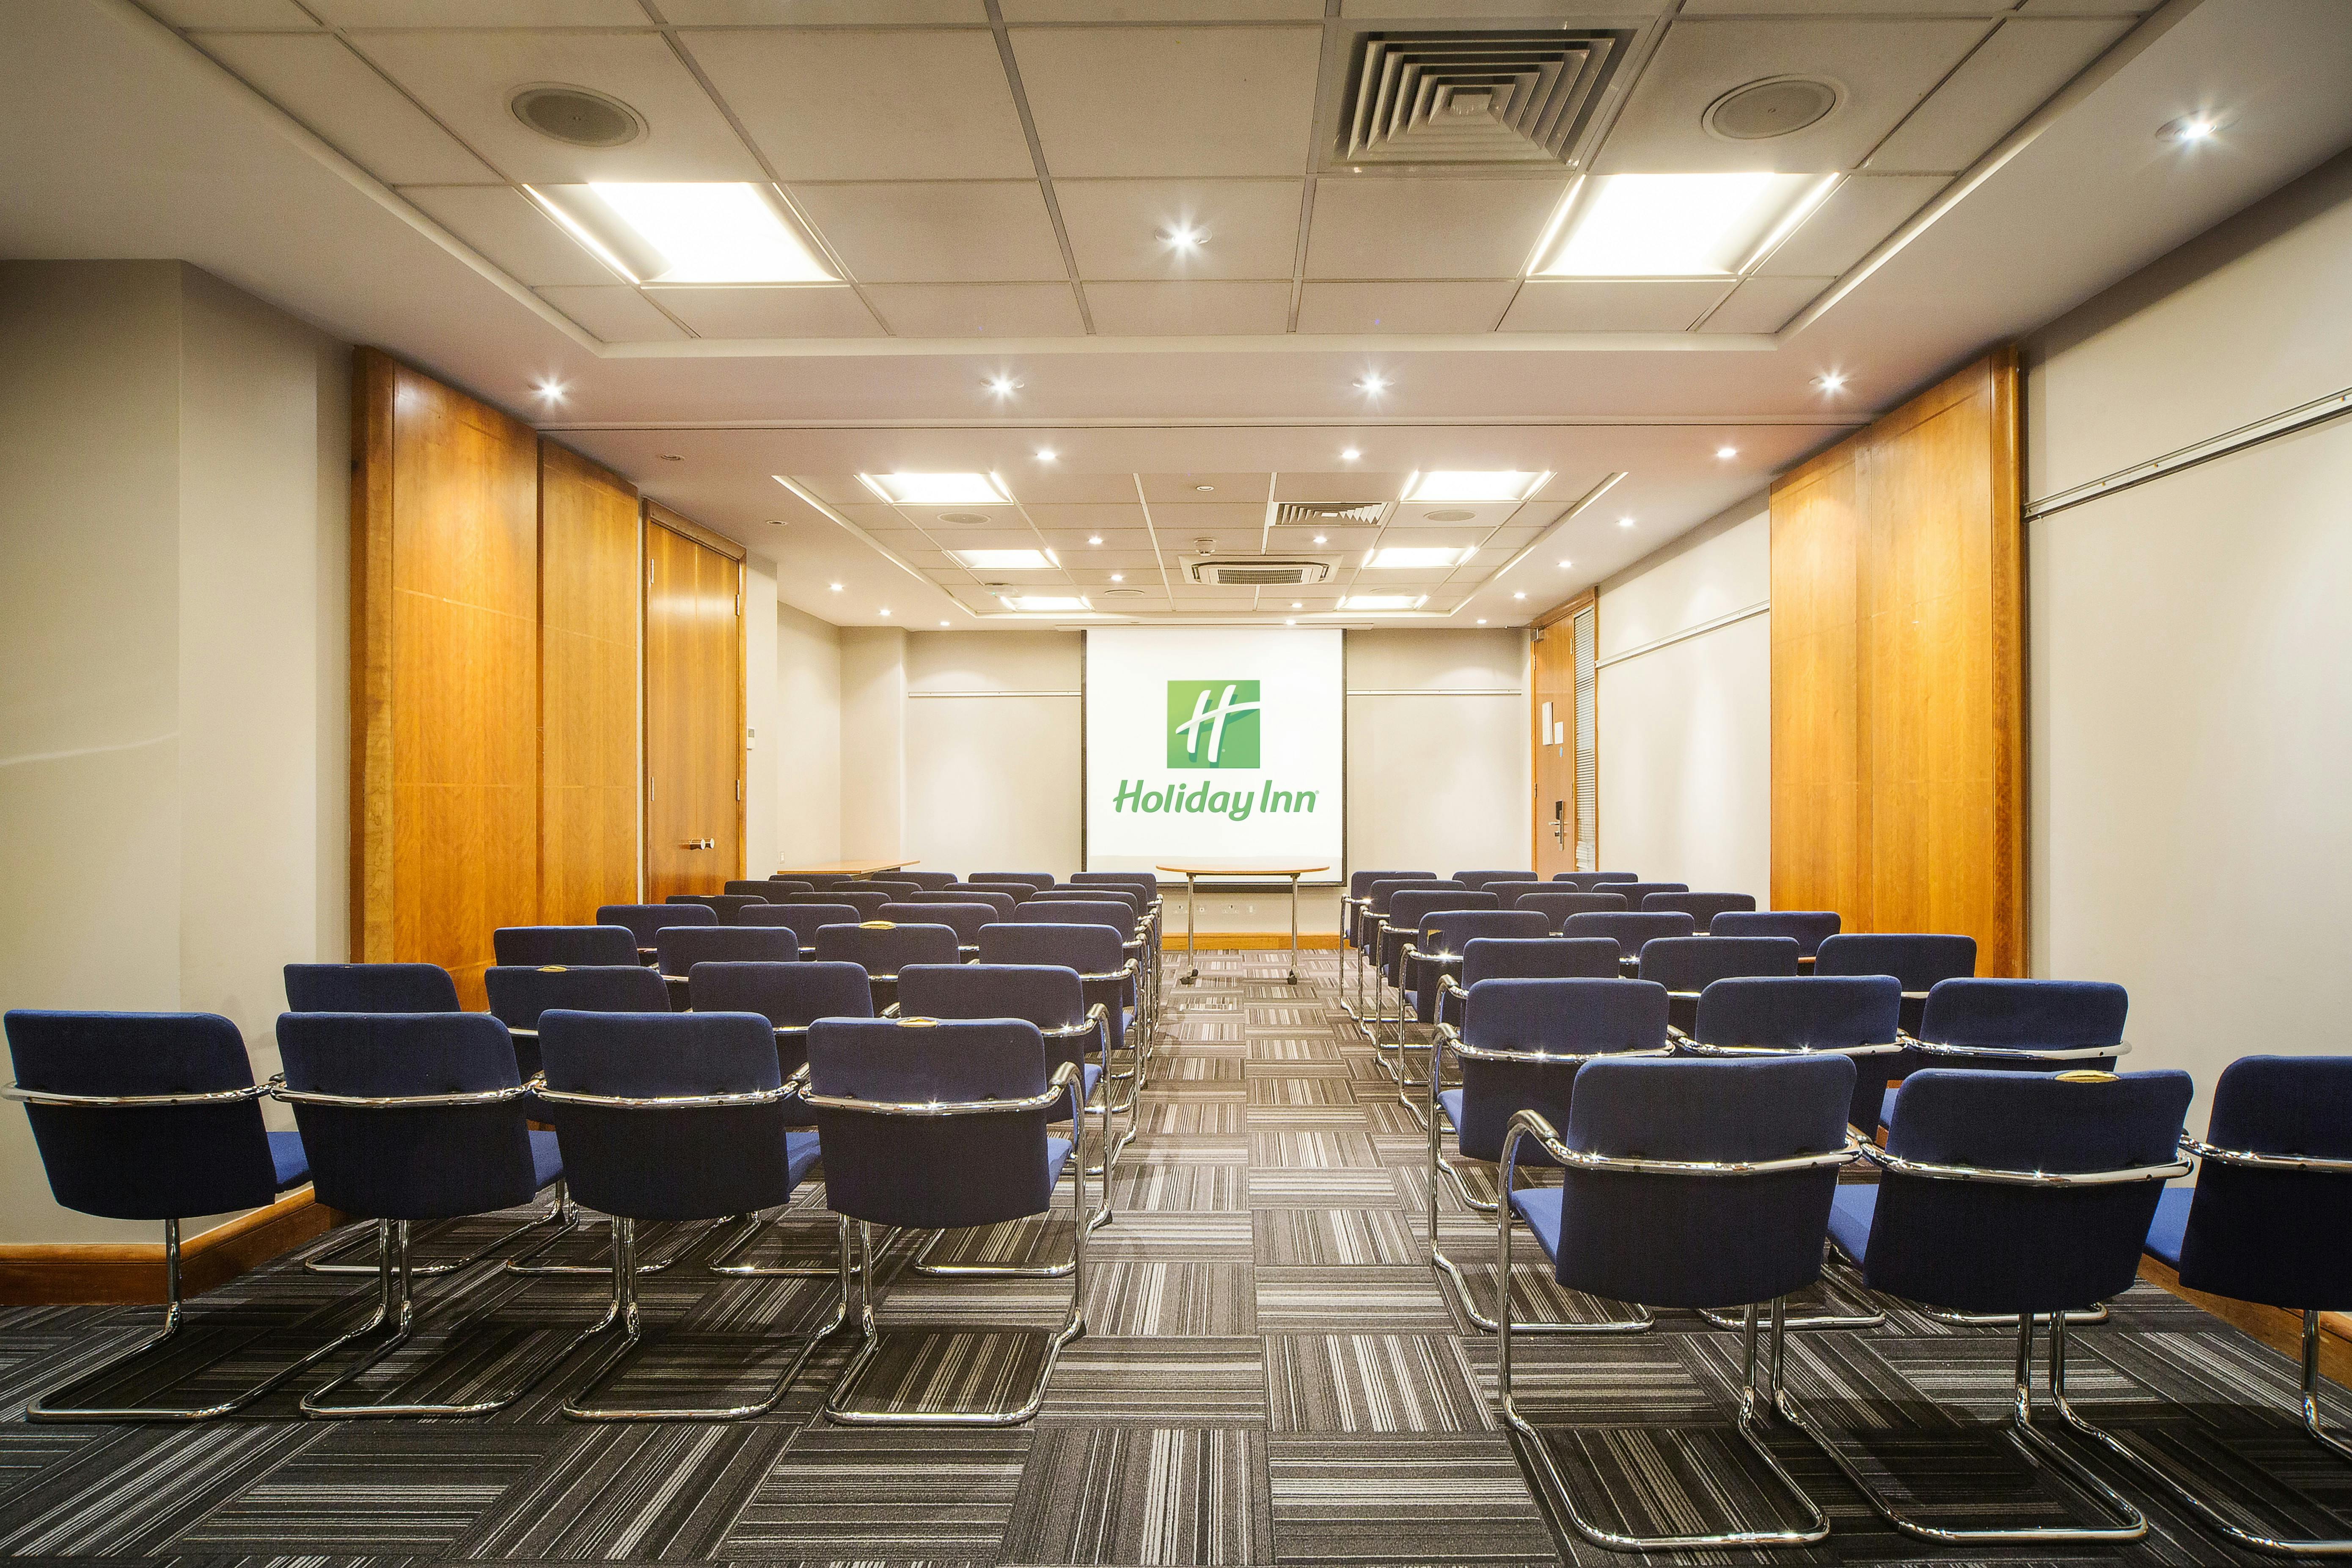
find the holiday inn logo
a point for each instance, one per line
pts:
(1212, 723)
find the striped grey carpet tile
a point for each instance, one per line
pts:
(1144, 1494)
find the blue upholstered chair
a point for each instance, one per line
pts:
(1809, 927)
(2016, 1193)
(1701, 907)
(896, 887)
(1629, 930)
(929, 881)
(678, 949)
(1116, 913)
(1518, 1048)
(765, 889)
(1053, 997)
(2027, 1025)
(868, 901)
(1352, 909)
(1590, 881)
(1687, 966)
(370, 988)
(722, 905)
(1685, 1184)
(1637, 893)
(1555, 907)
(964, 920)
(531, 947)
(1918, 959)
(882, 947)
(789, 885)
(999, 905)
(1106, 968)
(645, 921)
(1035, 881)
(680, 1118)
(148, 1116)
(1399, 930)
(1371, 913)
(1146, 888)
(411, 1116)
(1475, 880)
(943, 1126)
(1432, 961)
(1511, 890)
(1523, 958)
(2270, 1221)
(805, 915)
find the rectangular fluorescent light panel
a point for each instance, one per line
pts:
(1383, 601)
(937, 490)
(685, 233)
(1678, 225)
(1046, 601)
(1473, 484)
(1421, 556)
(1004, 560)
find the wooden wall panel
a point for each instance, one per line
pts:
(1551, 668)
(589, 578)
(694, 708)
(1897, 672)
(444, 674)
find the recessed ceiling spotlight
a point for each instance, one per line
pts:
(1183, 236)
(1047, 454)
(1624, 522)
(1297, 604)
(834, 586)
(1004, 385)
(1322, 538)
(885, 610)
(1519, 596)
(2190, 129)
(1371, 381)
(1831, 380)
(1727, 453)
(549, 388)
(1350, 455)
(1118, 576)
(1482, 620)
(1566, 564)
(1204, 490)
(1287, 621)
(1094, 538)
(943, 623)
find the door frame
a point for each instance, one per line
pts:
(1558, 614)
(656, 515)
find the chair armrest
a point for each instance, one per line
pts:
(1712, 1048)
(782, 1092)
(1098, 1017)
(278, 1090)
(1586, 1159)
(2024, 1053)
(2249, 1159)
(23, 1096)
(1468, 1052)
(1064, 1080)
(1926, 1170)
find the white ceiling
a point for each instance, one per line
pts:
(993, 181)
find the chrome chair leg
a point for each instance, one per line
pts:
(2029, 1441)
(2078, 1316)
(1083, 1220)
(684, 1243)
(1724, 1319)
(560, 1214)
(1754, 1410)
(622, 1315)
(44, 1406)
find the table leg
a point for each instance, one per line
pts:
(1294, 928)
(1191, 903)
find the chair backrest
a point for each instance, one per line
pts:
(804, 913)
(857, 896)
(1695, 962)
(965, 920)
(370, 988)
(1406, 910)
(152, 1162)
(593, 944)
(1701, 907)
(723, 905)
(1143, 883)
(2281, 1237)
(785, 884)
(1480, 878)
(1511, 892)
(1919, 960)
(427, 1161)
(1979, 1246)
(1590, 881)
(1097, 892)
(882, 948)
(1807, 926)
(896, 887)
(1088, 947)
(1378, 893)
(768, 887)
(1109, 912)
(1556, 908)
(1452, 930)
(1540, 958)
(2024, 1015)
(673, 1163)
(1360, 883)
(790, 996)
(1000, 905)
(1570, 1018)
(1629, 930)
(1701, 1241)
(1048, 996)
(645, 921)
(1039, 880)
(1815, 1013)
(683, 947)
(519, 993)
(1019, 892)
(1635, 892)
(936, 1173)
(929, 881)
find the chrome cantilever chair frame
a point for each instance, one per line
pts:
(1450, 1039)
(2029, 1440)
(1096, 1021)
(723, 1261)
(1445, 965)
(622, 1313)
(40, 1407)
(2313, 1419)
(1451, 987)
(1755, 1403)
(1066, 1082)
(1134, 1075)
(397, 1300)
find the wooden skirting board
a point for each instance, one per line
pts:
(1248, 940)
(2273, 1326)
(107, 1272)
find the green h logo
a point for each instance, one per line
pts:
(1212, 723)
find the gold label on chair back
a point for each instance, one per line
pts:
(876, 925)
(918, 1023)
(2087, 1075)
(550, 969)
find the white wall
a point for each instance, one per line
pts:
(2191, 672)
(993, 760)
(173, 460)
(1438, 771)
(762, 673)
(872, 743)
(802, 736)
(1686, 730)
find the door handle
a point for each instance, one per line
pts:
(699, 844)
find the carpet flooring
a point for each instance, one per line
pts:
(1273, 1373)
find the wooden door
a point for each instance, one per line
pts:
(694, 725)
(1553, 725)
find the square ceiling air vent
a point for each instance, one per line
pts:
(1507, 98)
(1254, 570)
(1307, 511)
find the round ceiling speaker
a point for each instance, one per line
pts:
(967, 518)
(1121, 593)
(576, 115)
(1452, 514)
(1776, 106)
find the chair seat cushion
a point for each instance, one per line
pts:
(1450, 1101)
(293, 1166)
(1544, 1210)
(2170, 1225)
(800, 1152)
(1886, 1106)
(1058, 1154)
(546, 1159)
(1850, 1215)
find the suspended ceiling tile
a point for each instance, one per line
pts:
(1019, 11)
(480, 13)
(1404, 307)
(1348, 485)
(832, 311)
(1117, 228)
(988, 539)
(823, 12)
(1104, 517)
(1225, 490)
(958, 521)
(614, 312)
(228, 13)
(1764, 304)
(1860, 213)
(1188, 310)
(2011, 77)
(842, 492)
(2078, 8)
(1846, 7)
(465, 78)
(320, 82)
(504, 227)
(1884, 67)
(989, 232)
(1185, 101)
(979, 309)
(1613, 305)
(892, 104)
(1383, 227)
(1061, 485)
(1078, 557)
